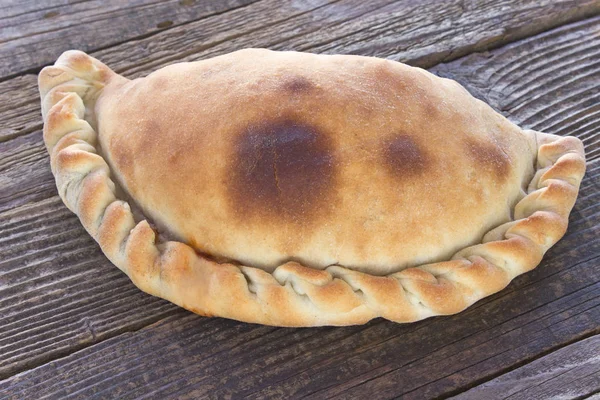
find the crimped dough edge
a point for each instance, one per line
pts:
(292, 295)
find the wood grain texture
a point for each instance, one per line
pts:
(425, 32)
(58, 293)
(554, 86)
(571, 372)
(25, 174)
(35, 33)
(194, 357)
(187, 356)
(20, 111)
(422, 33)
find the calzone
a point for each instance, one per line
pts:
(296, 189)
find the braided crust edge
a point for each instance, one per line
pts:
(292, 295)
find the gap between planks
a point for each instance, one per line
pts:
(520, 364)
(571, 353)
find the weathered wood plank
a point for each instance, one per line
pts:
(194, 357)
(58, 293)
(32, 35)
(48, 306)
(422, 34)
(554, 88)
(25, 174)
(571, 372)
(189, 356)
(19, 107)
(12, 8)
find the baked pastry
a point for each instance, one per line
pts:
(295, 189)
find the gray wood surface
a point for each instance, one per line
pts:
(421, 33)
(551, 88)
(34, 33)
(571, 372)
(58, 293)
(59, 297)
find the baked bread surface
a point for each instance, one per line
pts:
(296, 189)
(264, 157)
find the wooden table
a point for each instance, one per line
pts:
(73, 326)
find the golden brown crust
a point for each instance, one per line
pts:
(296, 295)
(317, 159)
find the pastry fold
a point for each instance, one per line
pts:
(262, 187)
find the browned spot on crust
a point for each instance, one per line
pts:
(150, 133)
(490, 158)
(431, 108)
(283, 169)
(387, 80)
(123, 155)
(298, 85)
(403, 156)
(412, 88)
(383, 71)
(80, 61)
(160, 82)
